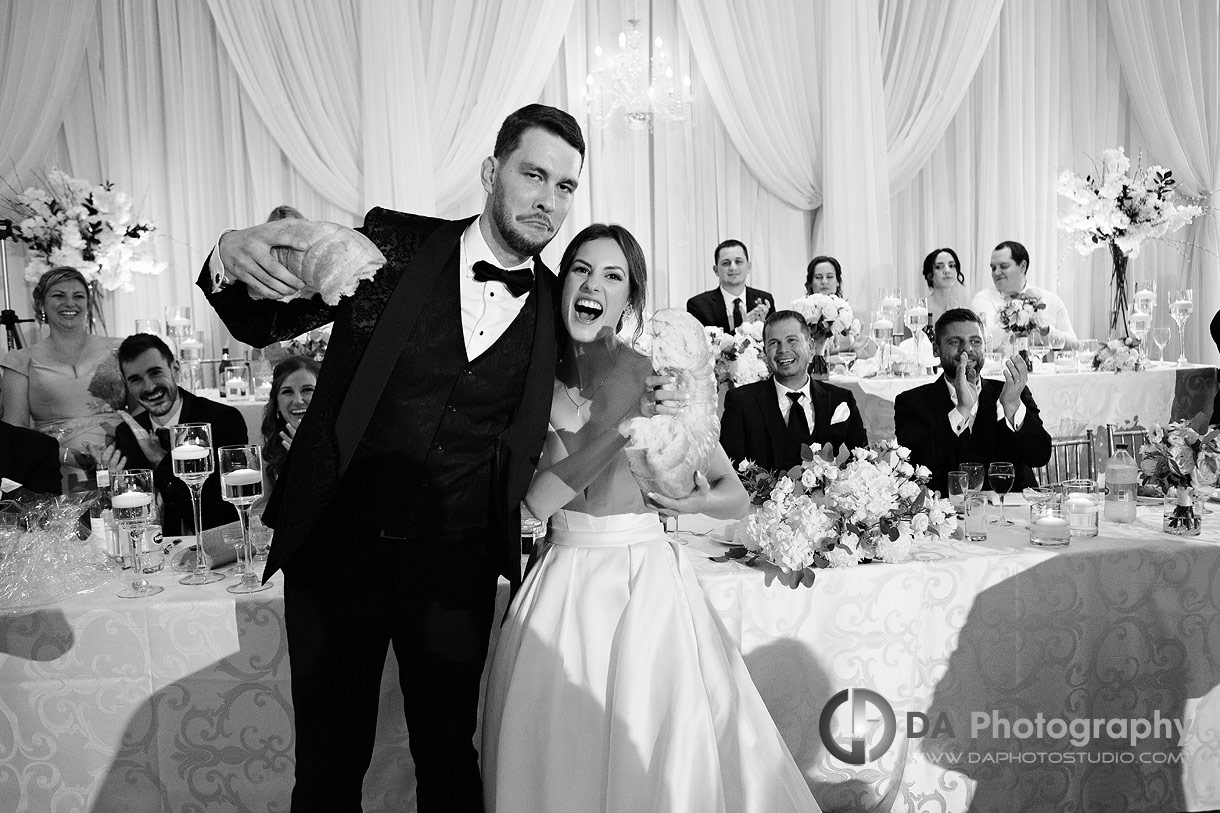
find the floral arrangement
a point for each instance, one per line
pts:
(828, 316)
(1119, 355)
(839, 511)
(1120, 206)
(89, 227)
(738, 355)
(311, 344)
(1177, 456)
(1023, 314)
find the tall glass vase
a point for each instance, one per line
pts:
(1183, 512)
(1118, 294)
(819, 366)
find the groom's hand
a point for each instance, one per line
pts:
(247, 256)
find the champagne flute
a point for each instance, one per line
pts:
(241, 483)
(192, 458)
(1181, 306)
(1160, 337)
(1001, 475)
(131, 498)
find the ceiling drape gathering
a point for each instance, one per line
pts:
(875, 131)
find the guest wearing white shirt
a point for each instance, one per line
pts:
(1009, 266)
(732, 303)
(767, 421)
(962, 418)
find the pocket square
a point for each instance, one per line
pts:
(842, 413)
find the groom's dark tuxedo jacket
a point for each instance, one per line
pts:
(753, 427)
(708, 307)
(921, 423)
(31, 458)
(372, 329)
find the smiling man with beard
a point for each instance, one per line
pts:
(962, 417)
(144, 441)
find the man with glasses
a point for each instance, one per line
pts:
(962, 417)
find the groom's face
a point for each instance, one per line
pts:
(531, 190)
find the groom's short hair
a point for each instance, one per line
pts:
(953, 316)
(551, 119)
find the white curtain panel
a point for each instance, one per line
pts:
(1170, 53)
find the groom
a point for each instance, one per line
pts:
(423, 433)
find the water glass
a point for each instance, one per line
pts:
(1049, 525)
(1082, 502)
(976, 516)
(131, 499)
(152, 326)
(958, 486)
(974, 476)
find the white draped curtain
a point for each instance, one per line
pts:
(875, 130)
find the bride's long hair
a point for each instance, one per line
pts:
(637, 268)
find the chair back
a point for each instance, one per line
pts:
(1134, 437)
(1071, 459)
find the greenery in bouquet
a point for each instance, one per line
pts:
(90, 227)
(828, 316)
(1120, 206)
(1023, 314)
(738, 355)
(869, 504)
(1119, 355)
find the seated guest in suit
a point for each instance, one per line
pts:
(824, 275)
(767, 421)
(1009, 266)
(30, 458)
(144, 442)
(732, 303)
(963, 418)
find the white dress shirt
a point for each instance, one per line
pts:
(728, 304)
(785, 403)
(487, 307)
(988, 302)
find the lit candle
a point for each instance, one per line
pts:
(131, 499)
(891, 302)
(189, 451)
(242, 477)
(179, 321)
(1051, 522)
(883, 324)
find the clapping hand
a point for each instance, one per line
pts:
(149, 444)
(966, 387)
(759, 312)
(1016, 374)
(247, 256)
(287, 434)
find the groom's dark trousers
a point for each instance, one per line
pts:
(397, 508)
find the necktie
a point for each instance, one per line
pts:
(518, 281)
(162, 434)
(798, 425)
(738, 314)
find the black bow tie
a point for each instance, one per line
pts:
(518, 281)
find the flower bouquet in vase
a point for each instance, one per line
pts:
(1119, 356)
(738, 356)
(838, 511)
(1182, 465)
(830, 318)
(1020, 317)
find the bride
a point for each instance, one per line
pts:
(614, 687)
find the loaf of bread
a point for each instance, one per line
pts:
(337, 260)
(665, 451)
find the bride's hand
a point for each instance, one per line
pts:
(692, 503)
(662, 397)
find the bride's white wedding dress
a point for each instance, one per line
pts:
(614, 687)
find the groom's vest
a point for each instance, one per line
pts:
(424, 464)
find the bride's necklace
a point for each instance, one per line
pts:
(589, 399)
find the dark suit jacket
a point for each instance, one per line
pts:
(314, 467)
(708, 307)
(921, 423)
(228, 429)
(753, 427)
(30, 458)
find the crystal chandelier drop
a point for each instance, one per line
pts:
(622, 82)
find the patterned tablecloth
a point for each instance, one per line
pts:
(1121, 627)
(1069, 402)
(180, 702)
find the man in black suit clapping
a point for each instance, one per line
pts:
(962, 417)
(732, 303)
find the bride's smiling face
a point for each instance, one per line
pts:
(595, 291)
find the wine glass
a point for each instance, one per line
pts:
(974, 476)
(1160, 337)
(131, 499)
(1001, 476)
(192, 458)
(1181, 306)
(241, 483)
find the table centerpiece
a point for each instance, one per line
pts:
(829, 317)
(1183, 465)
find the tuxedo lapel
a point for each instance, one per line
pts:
(822, 413)
(391, 332)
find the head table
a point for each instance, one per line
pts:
(181, 701)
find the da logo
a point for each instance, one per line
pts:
(859, 752)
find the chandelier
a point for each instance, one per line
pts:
(622, 82)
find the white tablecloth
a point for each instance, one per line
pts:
(1070, 402)
(1126, 625)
